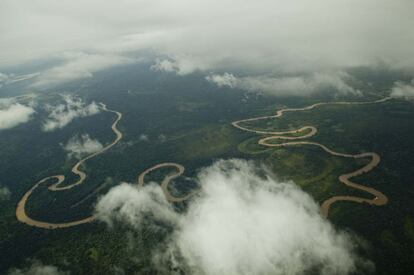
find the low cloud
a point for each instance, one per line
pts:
(288, 85)
(404, 90)
(259, 37)
(7, 79)
(127, 203)
(37, 268)
(164, 65)
(63, 114)
(181, 65)
(143, 137)
(78, 65)
(240, 222)
(13, 113)
(4, 193)
(78, 146)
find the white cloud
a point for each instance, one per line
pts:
(62, 114)
(267, 36)
(127, 203)
(79, 146)
(224, 80)
(78, 65)
(164, 65)
(287, 85)
(13, 113)
(37, 268)
(4, 193)
(23, 77)
(239, 223)
(143, 137)
(6, 79)
(404, 90)
(180, 64)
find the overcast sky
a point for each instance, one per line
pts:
(329, 32)
(214, 36)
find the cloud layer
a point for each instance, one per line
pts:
(270, 36)
(6, 79)
(288, 85)
(79, 146)
(404, 90)
(77, 65)
(13, 113)
(239, 223)
(63, 114)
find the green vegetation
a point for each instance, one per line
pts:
(250, 146)
(384, 128)
(188, 121)
(207, 142)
